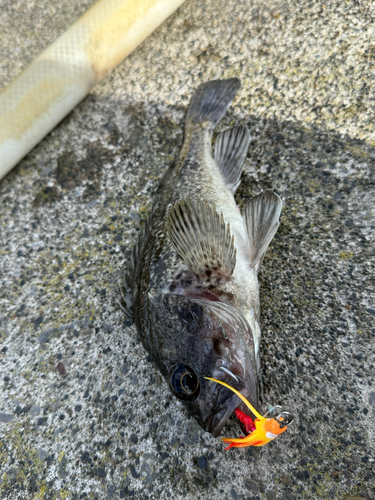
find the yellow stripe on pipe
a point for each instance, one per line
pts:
(59, 78)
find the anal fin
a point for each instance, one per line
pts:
(262, 220)
(230, 153)
(202, 239)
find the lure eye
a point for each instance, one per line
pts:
(184, 383)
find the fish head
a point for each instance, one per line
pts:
(191, 339)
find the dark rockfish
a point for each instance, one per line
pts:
(192, 284)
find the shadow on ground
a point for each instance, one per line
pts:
(85, 414)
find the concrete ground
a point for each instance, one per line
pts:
(83, 413)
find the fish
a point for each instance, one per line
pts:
(191, 283)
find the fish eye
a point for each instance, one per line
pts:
(184, 383)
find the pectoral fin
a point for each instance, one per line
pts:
(202, 239)
(230, 153)
(262, 220)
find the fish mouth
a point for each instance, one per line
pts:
(227, 403)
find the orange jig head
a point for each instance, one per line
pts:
(266, 429)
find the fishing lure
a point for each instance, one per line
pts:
(262, 430)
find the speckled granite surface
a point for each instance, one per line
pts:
(83, 414)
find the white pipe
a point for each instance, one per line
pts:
(56, 81)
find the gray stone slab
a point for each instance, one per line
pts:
(6, 417)
(71, 210)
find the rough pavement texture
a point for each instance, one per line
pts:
(83, 414)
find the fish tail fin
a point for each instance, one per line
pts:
(262, 220)
(211, 101)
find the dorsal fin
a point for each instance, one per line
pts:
(125, 303)
(128, 277)
(262, 220)
(202, 239)
(129, 274)
(230, 153)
